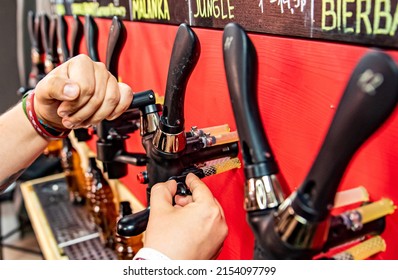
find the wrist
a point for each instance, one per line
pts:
(42, 127)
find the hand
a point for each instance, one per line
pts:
(194, 228)
(80, 93)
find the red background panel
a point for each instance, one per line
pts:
(299, 87)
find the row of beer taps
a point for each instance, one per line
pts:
(295, 226)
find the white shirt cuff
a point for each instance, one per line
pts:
(150, 254)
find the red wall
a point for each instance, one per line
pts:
(300, 84)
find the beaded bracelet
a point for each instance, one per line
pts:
(44, 130)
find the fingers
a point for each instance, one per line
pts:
(200, 192)
(162, 196)
(86, 94)
(126, 97)
(93, 93)
(182, 200)
(99, 106)
(56, 88)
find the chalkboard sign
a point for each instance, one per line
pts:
(100, 8)
(368, 22)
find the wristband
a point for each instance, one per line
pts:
(43, 129)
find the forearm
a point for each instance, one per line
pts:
(20, 144)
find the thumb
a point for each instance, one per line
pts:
(162, 196)
(200, 192)
(56, 88)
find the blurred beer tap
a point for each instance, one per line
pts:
(76, 36)
(37, 52)
(50, 42)
(299, 228)
(91, 36)
(112, 135)
(171, 152)
(62, 42)
(264, 187)
(354, 224)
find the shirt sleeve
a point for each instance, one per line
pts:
(150, 254)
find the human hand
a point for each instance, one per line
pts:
(194, 228)
(80, 93)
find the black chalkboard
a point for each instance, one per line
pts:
(367, 22)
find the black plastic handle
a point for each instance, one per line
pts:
(77, 35)
(184, 56)
(116, 40)
(62, 33)
(240, 61)
(37, 33)
(91, 35)
(142, 99)
(134, 224)
(31, 29)
(45, 34)
(369, 98)
(53, 39)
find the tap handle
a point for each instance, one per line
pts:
(38, 33)
(184, 57)
(91, 35)
(133, 224)
(368, 100)
(240, 61)
(62, 31)
(77, 35)
(54, 39)
(142, 99)
(45, 34)
(31, 29)
(116, 40)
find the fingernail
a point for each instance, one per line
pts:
(63, 114)
(71, 90)
(68, 124)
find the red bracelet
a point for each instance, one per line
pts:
(45, 131)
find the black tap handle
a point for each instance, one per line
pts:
(116, 40)
(62, 31)
(142, 99)
(369, 99)
(240, 61)
(37, 70)
(184, 56)
(45, 32)
(134, 224)
(182, 188)
(77, 35)
(31, 29)
(38, 34)
(54, 39)
(49, 35)
(91, 35)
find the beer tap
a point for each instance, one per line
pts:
(112, 135)
(264, 190)
(91, 35)
(299, 228)
(49, 35)
(77, 36)
(37, 51)
(171, 154)
(62, 45)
